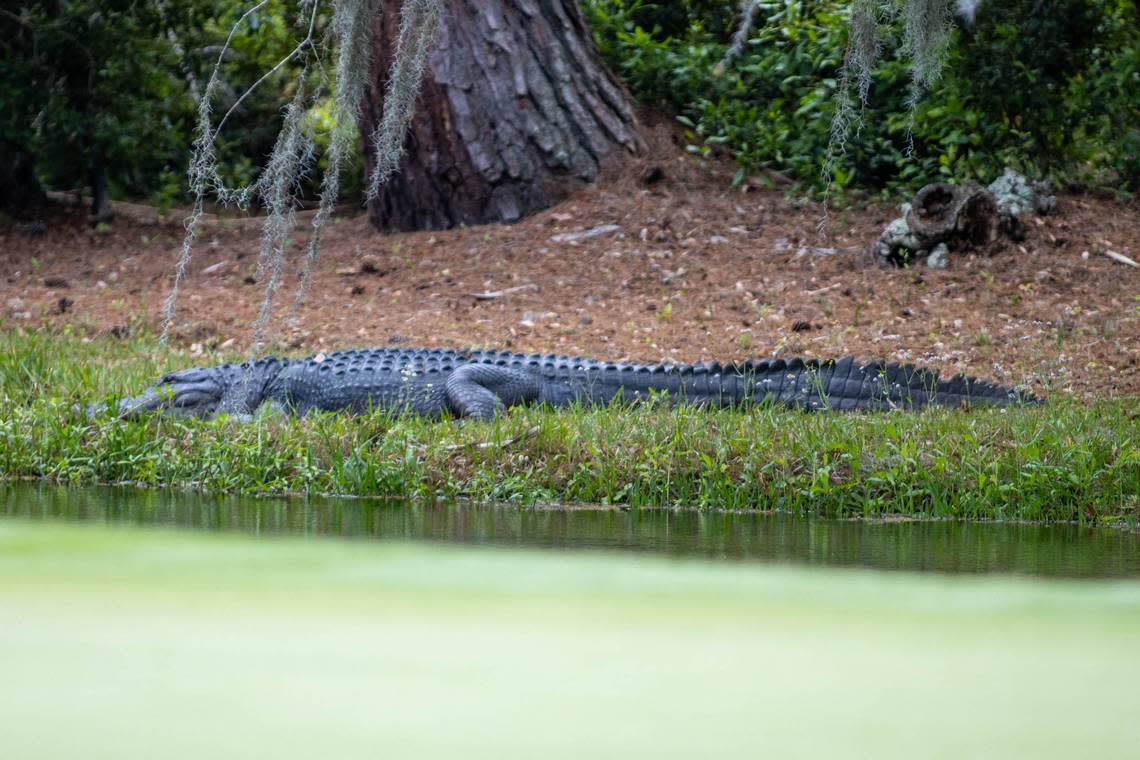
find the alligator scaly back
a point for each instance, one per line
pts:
(476, 383)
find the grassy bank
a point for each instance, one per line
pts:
(1069, 460)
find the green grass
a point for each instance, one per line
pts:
(125, 643)
(1069, 460)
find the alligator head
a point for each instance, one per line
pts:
(236, 389)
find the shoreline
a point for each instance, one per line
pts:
(1070, 460)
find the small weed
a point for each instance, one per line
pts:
(1060, 333)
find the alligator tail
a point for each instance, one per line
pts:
(846, 385)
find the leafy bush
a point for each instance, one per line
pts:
(1047, 87)
(1042, 86)
(112, 86)
(87, 85)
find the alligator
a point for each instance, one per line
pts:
(480, 384)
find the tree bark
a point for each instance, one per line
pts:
(943, 213)
(100, 196)
(516, 111)
(20, 190)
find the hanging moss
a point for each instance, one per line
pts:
(278, 185)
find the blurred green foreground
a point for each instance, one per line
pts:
(123, 643)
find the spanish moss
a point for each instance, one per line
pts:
(278, 187)
(352, 25)
(419, 21)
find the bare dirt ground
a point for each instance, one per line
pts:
(693, 270)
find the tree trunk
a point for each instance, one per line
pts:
(20, 190)
(100, 197)
(516, 111)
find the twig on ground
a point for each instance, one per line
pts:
(1121, 258)
(818, 291)
(529, 433)
(493, 294)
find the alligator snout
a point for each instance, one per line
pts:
(192, 392)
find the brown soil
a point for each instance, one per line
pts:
(697, 271)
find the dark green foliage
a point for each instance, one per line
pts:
(673, 19)
(91, 85)
(1019, 57)
(1113, 93)
(1045, 86)
(773, 105)
(1048, 87)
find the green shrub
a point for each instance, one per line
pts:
(114, 84)
(1047, 87)
(87, 85)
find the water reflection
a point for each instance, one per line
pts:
(946, 547)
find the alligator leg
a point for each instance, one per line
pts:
(484, 390)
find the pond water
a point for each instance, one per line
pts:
(935, 546)
(366, 629)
